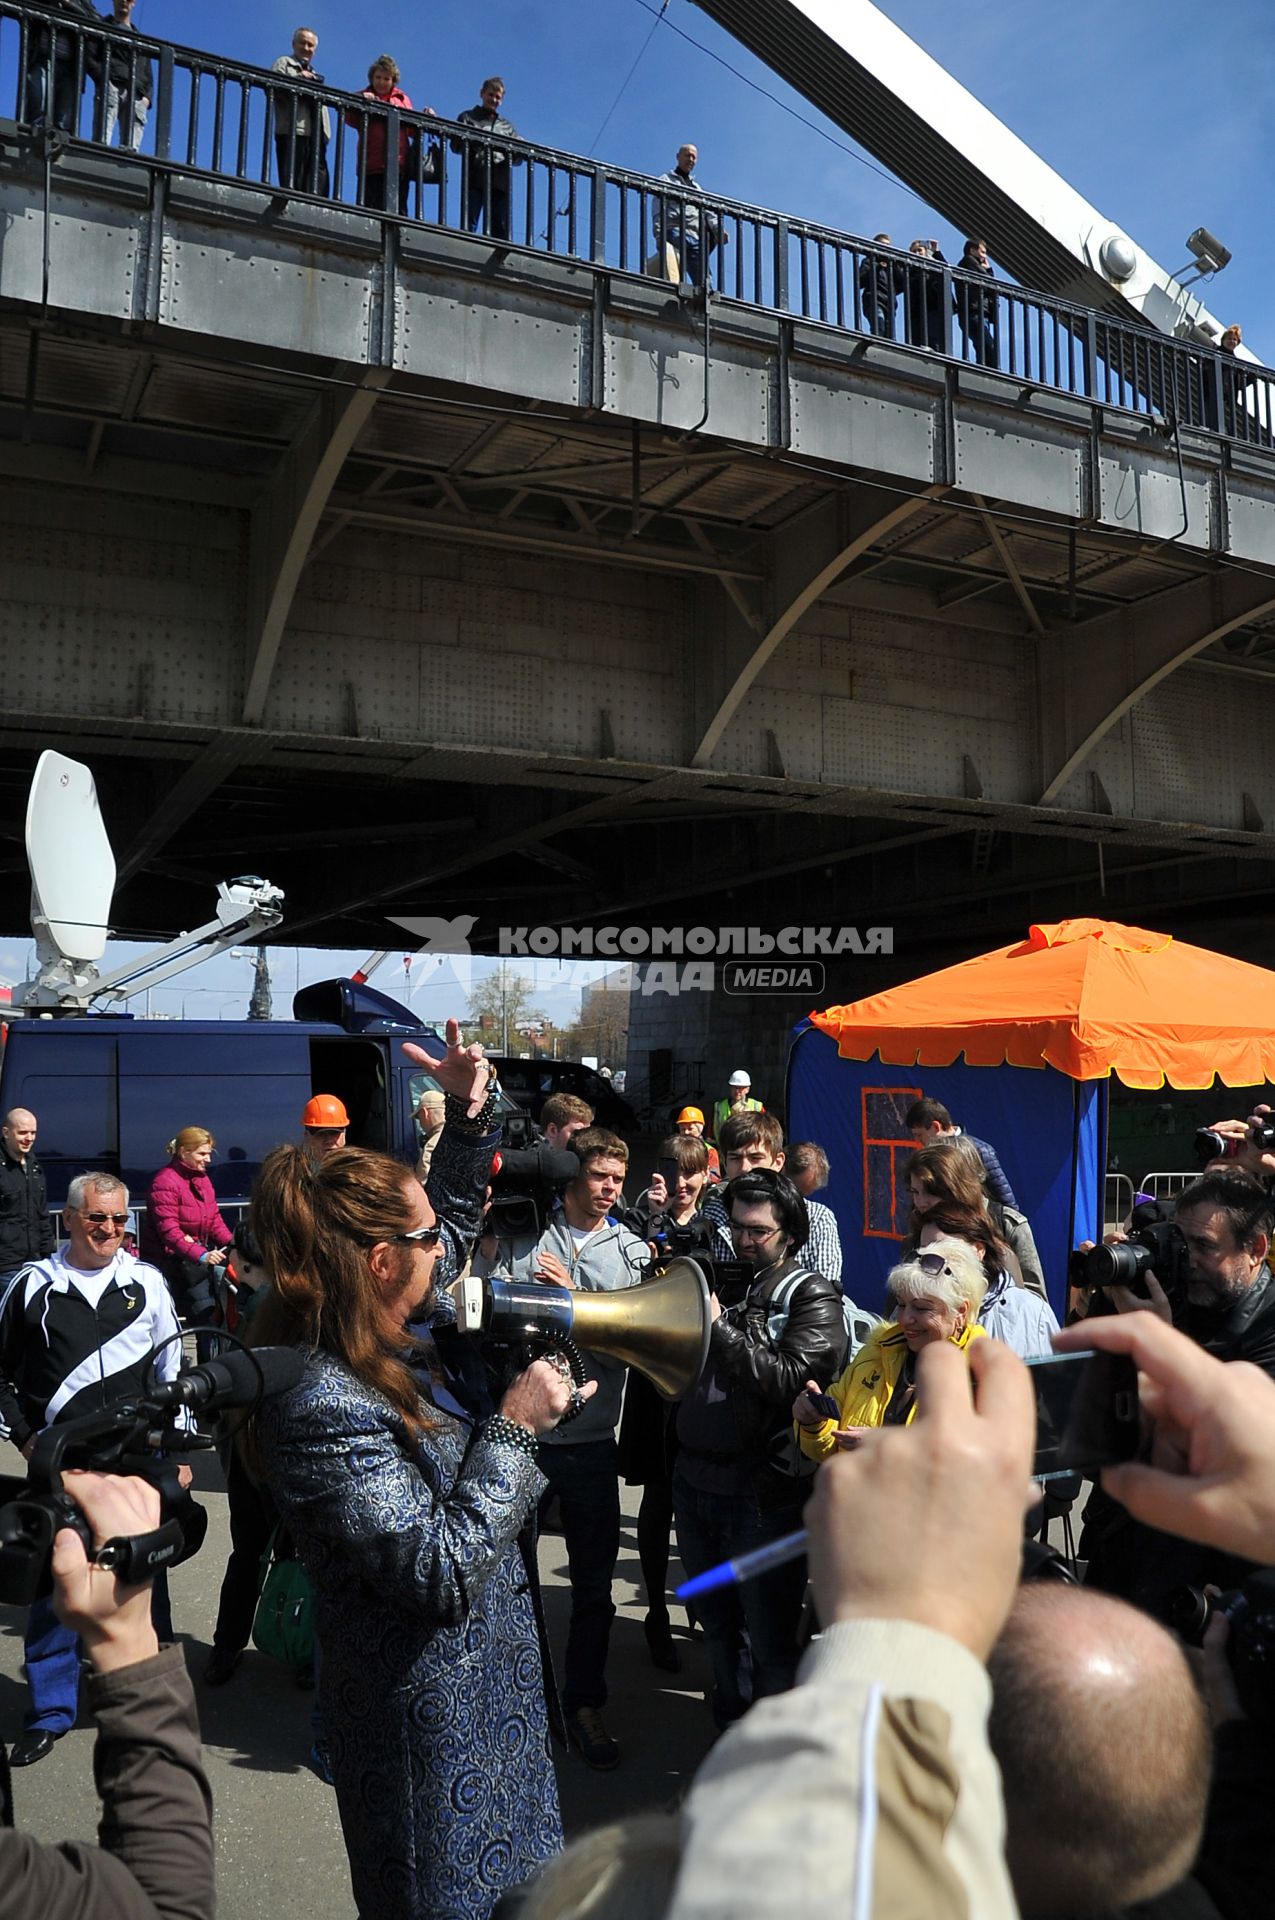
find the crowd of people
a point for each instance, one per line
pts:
(959, 1738)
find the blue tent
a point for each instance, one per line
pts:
(1048, 1130)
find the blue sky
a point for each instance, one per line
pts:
(1157, 110)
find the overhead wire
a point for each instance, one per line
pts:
(784, 106)
(624, 84)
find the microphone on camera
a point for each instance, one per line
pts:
(237, 1379)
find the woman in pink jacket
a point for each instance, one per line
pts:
(183, 1233)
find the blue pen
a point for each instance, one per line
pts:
(732, 1572)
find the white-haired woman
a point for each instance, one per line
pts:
(937, 1295)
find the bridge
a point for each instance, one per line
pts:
(431, 570)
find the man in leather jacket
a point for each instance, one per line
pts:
(1227, 1306)
(733, 1486)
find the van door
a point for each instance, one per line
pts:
(356, 1071)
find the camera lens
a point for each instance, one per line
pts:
(1210, 1145)
(1264, 1133)
(1188, 1611)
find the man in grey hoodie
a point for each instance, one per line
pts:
(584, 1246)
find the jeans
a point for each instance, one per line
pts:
(192, 1286)
(712, 1527)
(65, 101)
(53, 1656)
(251, 1524)
(476, 197)
(132, 141)
(585, 1479)
(373, 194)
(303, 172)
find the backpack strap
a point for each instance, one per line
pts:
(780, 1302)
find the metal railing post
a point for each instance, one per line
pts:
(391, 160)
(781, 265)
(598, 216)
(163, 121)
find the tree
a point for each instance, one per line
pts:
(601, 1032)
(499, 1006)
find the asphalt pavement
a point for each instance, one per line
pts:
(279, 1851)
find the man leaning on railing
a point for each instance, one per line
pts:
(125, 81)
(298, 120)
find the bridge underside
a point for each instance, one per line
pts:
(410, 645)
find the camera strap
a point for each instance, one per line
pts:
(138, 1557)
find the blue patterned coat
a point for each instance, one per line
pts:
(431, 1678)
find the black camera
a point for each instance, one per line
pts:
(1250, 1645)
(525, 1187)
(1126, 1264)
(728, 1279)
(128, 1438)
(1209, 1144)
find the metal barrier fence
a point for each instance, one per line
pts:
(232, 1212)
(1165, 1186)
(179, 109)
(1117, 1200)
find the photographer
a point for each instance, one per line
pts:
(156, 1856)
(736, 1484)
(1223, 1299)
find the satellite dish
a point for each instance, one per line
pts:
(72, 866)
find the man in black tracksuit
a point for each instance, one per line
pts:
(26, 1231)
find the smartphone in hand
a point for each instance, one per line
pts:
(824, 1405)
(1086, 1412)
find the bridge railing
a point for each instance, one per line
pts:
(176, 109)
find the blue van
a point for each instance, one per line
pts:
(110, 1091)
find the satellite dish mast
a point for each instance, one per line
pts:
(72, 884)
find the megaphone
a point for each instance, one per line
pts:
(661, 1327)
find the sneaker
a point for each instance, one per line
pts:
(320, 1763)
(591, 1740)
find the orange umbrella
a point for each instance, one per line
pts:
(1086, 996)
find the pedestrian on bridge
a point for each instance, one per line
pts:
(676, 220)
(383, 89)
(485, 167)
(976, 308)
(302, 127)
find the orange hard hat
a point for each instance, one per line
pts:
(690, 1113)
(325, 1110)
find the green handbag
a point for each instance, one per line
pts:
(283, 1625)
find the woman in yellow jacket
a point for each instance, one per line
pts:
(937, 1295)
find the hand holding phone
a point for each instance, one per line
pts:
(1086, 1412)
(824, 1405)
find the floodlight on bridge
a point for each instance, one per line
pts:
(1208, 256)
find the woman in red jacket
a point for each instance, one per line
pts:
(383, 88)
(183, 1233)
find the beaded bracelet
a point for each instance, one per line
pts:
(478, 1124)
(499, 1429)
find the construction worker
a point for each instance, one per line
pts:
(691, 1121)
(738, 1100)
(325, 1120)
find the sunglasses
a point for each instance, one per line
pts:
(934, 1264)
(100, 1219)
(418, 1237)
